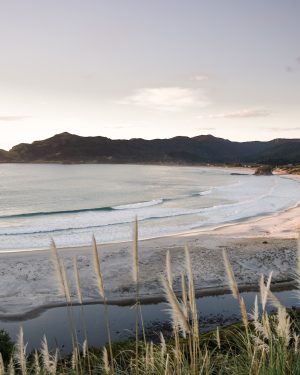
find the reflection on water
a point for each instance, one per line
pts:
(213, 310)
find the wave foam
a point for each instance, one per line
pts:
(133, 206)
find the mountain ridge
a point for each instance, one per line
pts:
(71, 148)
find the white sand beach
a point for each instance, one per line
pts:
(255, 247)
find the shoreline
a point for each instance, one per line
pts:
(220, 228)
(197, 231)
(29, 286)
(255, 246)
(149, 300)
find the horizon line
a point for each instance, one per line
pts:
(145, 139)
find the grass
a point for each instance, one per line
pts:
(261, 343)
(293, 169)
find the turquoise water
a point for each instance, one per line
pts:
(71, 202)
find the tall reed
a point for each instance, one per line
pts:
(99, 277)
(265, 344)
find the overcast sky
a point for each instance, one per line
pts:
(149, 68)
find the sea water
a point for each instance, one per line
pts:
(69, 203)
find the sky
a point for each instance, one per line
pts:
(149, 69)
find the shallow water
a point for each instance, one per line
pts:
(213, 310)
(70, 202)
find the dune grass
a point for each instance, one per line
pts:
(261, 343)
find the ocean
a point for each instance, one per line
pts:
(69, 203)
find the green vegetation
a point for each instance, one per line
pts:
(262, 344)
(70, 148)
(293, 169)
(6, 346)
(264, 170)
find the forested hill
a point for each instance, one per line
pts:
(70, 148)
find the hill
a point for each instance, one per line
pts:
(71, 148)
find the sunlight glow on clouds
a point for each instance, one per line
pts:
(244, 113)
(200, 77)
(168, 98)
(149, 69)
(13, 118)
(297, 128)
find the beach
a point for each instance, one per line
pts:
(256, 246)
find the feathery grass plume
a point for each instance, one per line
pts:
(284, 321)
(191, 293)
(218, 340)
(264, 290)
(298, 264)
(267, 326)
(151, 357)
(135, 265)
(11, 367)
(21, 352)
(284, 326)
(235, 290)
(163, 347)
(97, 268)
(49, 361)
(230, 276)
(169, 269)
(66, 283)
(184, 295)
(267, 323)
(45, 353)
(188, 265)
(105, 361)
(54, 361)
(57, 264)
(243, 311)
(275, 301)
(37, 367)
(261, 345)
(296, 343)
(77, 279)
(146, 357)
(84, 348)
(178, 316)
(167, 364)
(135, 277)
(74, 359)
(262, 329)
(2, 368)
(96, 262)
(255, 314)
(263, 294)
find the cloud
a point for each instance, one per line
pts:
(13, 118)
(285, 129)
(244, 113)
(124, 126)
(292, 68)
(289, 69)
(205, 128)
(200, 77)
(167, 98)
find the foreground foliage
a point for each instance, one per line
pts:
(262, 344)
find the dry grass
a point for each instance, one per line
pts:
(266, 344)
